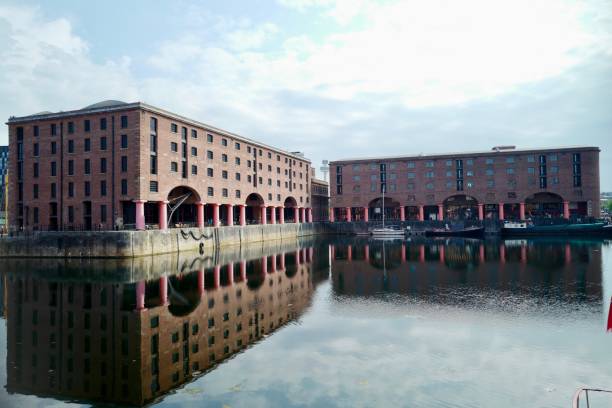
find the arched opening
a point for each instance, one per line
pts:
(290, 209)
(430, 212)
(544, 205)
(460, 207)
(390, 207)
(183, 294)
(412, 213)
(253, 203)
(182, 208)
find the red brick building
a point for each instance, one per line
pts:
(124, 165)
(503, 183)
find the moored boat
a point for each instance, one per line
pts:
(387, 233)
(463, 232)
(523, 228)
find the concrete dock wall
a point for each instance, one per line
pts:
(123, 244)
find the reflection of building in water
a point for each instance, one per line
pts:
(421, 268)
(131, 343)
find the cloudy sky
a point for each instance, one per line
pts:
(331, 78)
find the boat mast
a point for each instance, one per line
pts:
(384, 187)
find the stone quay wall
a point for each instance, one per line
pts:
(124, 244)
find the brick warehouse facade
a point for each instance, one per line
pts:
(3, 185)
(131, 165)
(503, 183)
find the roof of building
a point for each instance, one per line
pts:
(319, 181)
(114, 105)
(505, 150)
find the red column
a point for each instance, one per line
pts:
(303, 214)
(522, 211)
(272, 215)
(200, 210)
(310, 214)
(480, 212)
(163, 215)
(440, 212)
(242, 215)
(281, 215)
(243, 276)
(215, 215)
(140, 217)
(296, 215)
(230, 215)
(402, 213)
(230, 273)
(501, 211)
(566, 212)
(421, 213)
(163, 290)
(348, 214)
(201, 282)
(331, 214)
(217, 276)
(264, 218)
(366, 216)
(140, 295)
(367, 253)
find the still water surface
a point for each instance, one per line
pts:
(344, 322)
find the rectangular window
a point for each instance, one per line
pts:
(70, 127)
(124, 186)
(103, 188)
(238, 161)
(509, 170)
(224, 142)
(224, 158)
(194, 134)
(174, 128)
(71, 189)
(237, 146)
(173, 167)
(53, 148)
(35, 149)
(194, 169)
(35, 170)
(86, 145)
(53, 190)
(124, 121)
(194, 151)
(102, 123)
(509, 159)
(224, 174)
(210, 191)
(35, 191)
(209, 154)
(87, 125)
(70, 213)
(124, 164)
(490, 161)
(103, 213)
(153, 164)
(53, 129)
(87, 188)
(209, 138)
(224, 192)
(124, 141)
(429, 163)
(209, 172)
(103, 165)
(36, 131)
(103, 143)
(70, 146)
(71, 167)
(173, 147)
(153, 186)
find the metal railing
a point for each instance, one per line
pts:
(576, 401)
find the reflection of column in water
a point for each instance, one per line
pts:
(140, 295)
(297, 256)
(310, 253)
(243, 276)
(481, 253)
(201, 282)
(217, 276)
(273, 266)
(403, 252)
(163, 290)
(230, 274)
(568, 253)
(349, 253)
(282, 261)
(441, 249)
(366, 254)
(502, 253)
(264, 266)
(421, 253)
(523, 253)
